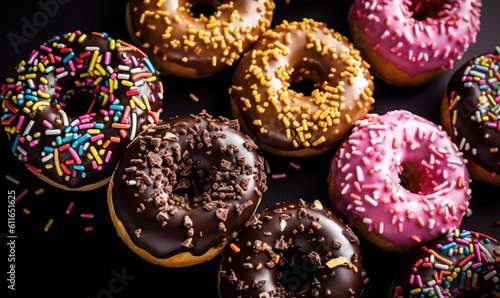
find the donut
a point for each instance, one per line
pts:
(74, 105)
(183, 187)
(461, 263)
(294, 249)
(469, 113)
(193, 38)
(399, 181)
(410, 42)
(288, 122)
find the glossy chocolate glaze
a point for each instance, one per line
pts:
(187, 184)
(171, 31)
(473, 106)
(285, 119)
(451, 267)
(290, 247)
(59, 69)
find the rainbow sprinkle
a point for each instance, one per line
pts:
(125, 92)
(466, 261)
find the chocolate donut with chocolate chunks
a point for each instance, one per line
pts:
(293, 250)
(183, 187)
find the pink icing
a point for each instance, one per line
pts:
(418, 45)
(368, 165)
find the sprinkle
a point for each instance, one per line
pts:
(89, 228)
(70, 207)
(12, 179)
(294, 165)
(48, 225)
(194, 97)
(26, 211)
(234, 247)
(22, 194)
(87, 215)
(278, 176)
(39, 191)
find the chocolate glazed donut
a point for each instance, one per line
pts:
(469, 113)
(184, 187)
(288, 122)
(197, 38)
(293, 250)
(462, 263)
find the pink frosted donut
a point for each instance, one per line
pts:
(409, 42)
(399, 181)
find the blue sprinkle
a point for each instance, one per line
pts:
(116, 107)
(149, 65)
(59, 140)
(464, 234)
(84, 174)
(31, 97)
(448, 246)
(481, 68)
(48, 149)
(68, 57)
(75, 128)
(83, 138)
(53, 39)
(487, 241)
(79, 167)
(16, 141)
(99, 125)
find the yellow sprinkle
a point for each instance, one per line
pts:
(96, 154)
(415, 291)
(72, 37)
(139, 103)
(319, 141)
(47, 226)
(44, 80)
(112, 44)
(39, 191)
(82, 38)
(126, 83)
(26, 210)
(93, 131)
(93, 61)
(56, 162)
(194, 97)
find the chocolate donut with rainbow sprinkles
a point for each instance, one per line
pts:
(399, 181)
(469, 113)
(75, 104)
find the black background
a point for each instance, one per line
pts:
(68, 261)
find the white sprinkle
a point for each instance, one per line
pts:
(359, 173)
(371, 200)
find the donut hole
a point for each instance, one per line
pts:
(410, 175)
(306, 77)
(77, 103)
(298, 276)
(422, 10)
(202, 8)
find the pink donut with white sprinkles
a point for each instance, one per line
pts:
(73, 106)
(409, 42)
(400, 181)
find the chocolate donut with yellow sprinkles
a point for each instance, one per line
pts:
(193, 38)
(75, 104)
(288, 122)
(294, 249)
(184, 187)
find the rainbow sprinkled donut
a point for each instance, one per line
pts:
(75, 104)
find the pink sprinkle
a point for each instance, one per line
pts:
(108, 156)
(278, 176)
(97, 137)
(107, 58)
(71, 65)
(86, 126)
(20, 122)
(294, 165)
(22, 194)
(87, 215)
(70, 207)
(419, 281)
(34, 143)
(47, 124)
(134, 61)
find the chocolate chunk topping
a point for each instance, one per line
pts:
(349, 234)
